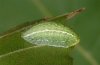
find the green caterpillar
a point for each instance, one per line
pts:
(51, 34)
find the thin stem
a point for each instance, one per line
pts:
(42, 8)
(87, 55)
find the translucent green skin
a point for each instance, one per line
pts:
(51, 34)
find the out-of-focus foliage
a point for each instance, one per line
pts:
(87, 24)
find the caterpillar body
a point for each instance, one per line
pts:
(51, 34)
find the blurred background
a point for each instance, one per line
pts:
(86, 24)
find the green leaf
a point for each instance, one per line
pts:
(37, 56)
(14, 50)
